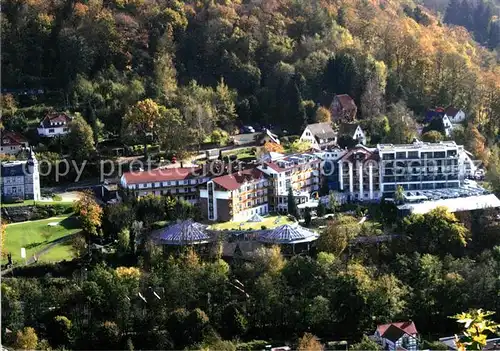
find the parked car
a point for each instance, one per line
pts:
(248, 129)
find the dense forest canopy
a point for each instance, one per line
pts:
(270, 61)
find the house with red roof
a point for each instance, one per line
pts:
(343, 109)
(235, 197)
(455, 115)
(54, 124)
(397, 336)
(13, 143)
(179, 182)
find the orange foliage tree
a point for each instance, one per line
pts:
(273, 147)
(90, 213)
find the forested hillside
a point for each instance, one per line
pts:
(211, 63)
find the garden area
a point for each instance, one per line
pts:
(268, 222)
(37, 236)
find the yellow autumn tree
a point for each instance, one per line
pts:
(323, 115)
(273, 147)
(26, 339)
(3, 236)
(89, 212)
(477, 325)
(143, 120)
(308, 342)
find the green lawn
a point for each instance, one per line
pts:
(36, 235)
(269, 222)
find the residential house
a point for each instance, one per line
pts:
(235, 197)
(397, 336)
(454, 115)
(432, 113)
(354, 131)
(320, 135)
(300, 172)
(343, 109)
(21, 179)
(466, 164)
(54, 124)
(267, 136)
(448, 126)
(13, 143)
(180, 182)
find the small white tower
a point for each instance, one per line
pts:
(32, 178)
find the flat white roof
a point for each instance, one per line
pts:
(418, 146)
(458, 204)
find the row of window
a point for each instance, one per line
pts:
(168, 183)
(415, 154)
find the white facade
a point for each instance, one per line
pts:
(245, 215)
(448, 126)
(359, 135)
(53, 131)
(458, 118)
(419, 166)
(12, 149)
(466, 163)
(308, 136)
(21, 179)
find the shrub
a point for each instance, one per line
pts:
(263, 227)
(252, 345)
(56, 198)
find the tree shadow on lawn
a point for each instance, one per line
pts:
(33, 245)
(70, 223)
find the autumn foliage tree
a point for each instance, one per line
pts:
(143, 120)
(476, 327)
(90, 214)
(273, 147)
(3, 236)
(309, 342)
(26, 339)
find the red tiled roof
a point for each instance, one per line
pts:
(346, 101)
(160, 175)
(55, 117)
(407, 327)
(235, 180)
(451, 111)
(275, 167)
(14, 138)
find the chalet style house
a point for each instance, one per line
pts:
(54, 124)
(13, 143)
(397, 336)
(354, 131)
(320, 135)
(343, 109)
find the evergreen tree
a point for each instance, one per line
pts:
(320, 210)
(494, 35)
(341, 75)
(292, 205)
(452, 12)
(296, 116)
(307, 217)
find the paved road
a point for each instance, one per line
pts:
(16, 223)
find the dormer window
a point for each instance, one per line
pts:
(6, 141)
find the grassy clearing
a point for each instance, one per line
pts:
(60, 252)
(37, 235)
(269, 222)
